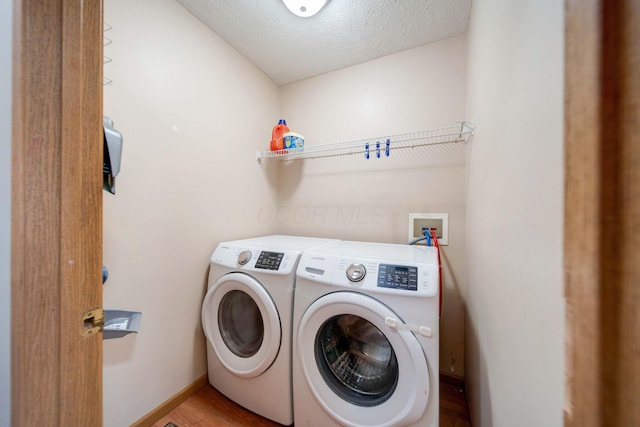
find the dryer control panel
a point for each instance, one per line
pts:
(269, 260)
(255, 259)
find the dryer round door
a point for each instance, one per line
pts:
(360, 370)
(242, 324)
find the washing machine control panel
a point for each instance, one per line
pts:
(269, 260)
(398, 277)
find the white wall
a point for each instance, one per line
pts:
(357, 199)
(515, 321)
(6, 28)
(193, 112)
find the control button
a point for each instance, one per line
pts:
(244, 257)
(356, 272)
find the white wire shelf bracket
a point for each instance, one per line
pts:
(376, 147)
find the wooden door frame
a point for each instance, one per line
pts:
(602, 211)
(56, 212)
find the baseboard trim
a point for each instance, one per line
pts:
(454, 380)
(172, 403)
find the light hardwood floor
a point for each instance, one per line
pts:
(209, 408)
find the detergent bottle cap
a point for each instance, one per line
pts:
(282, 122)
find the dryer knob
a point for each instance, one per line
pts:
(244, 257)
(356, 272)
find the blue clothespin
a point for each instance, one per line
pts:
(366, 151)
(387, 148)
(378, 149)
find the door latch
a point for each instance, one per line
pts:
(92, 322)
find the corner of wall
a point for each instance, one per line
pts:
(515, 308)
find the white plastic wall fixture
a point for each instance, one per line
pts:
(444, 217)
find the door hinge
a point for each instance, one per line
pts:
(92, 322)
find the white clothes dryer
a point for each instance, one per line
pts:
(365, 336)
(246, 317)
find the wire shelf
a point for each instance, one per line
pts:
(376, 147)
(106, 41)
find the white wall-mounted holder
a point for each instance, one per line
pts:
(118, 323)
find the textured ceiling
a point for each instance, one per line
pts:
(346, 32)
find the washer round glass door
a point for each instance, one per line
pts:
(360, 370)
(242, 324)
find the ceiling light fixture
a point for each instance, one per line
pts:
(304, 8)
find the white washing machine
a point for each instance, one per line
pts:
(365, 336)
(246, 317)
